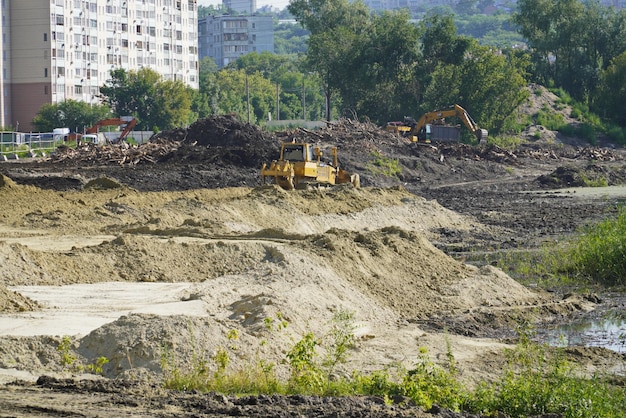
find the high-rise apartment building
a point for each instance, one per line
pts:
(241, 6)
(54, 50)
(226, 38)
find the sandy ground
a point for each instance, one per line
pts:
(137, 264)
(124, 273)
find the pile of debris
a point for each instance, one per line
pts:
(122, 154)
(347, 132)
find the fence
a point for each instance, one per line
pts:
(16, 145)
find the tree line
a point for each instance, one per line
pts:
(384, 66)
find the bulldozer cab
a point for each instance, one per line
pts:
(297, 152)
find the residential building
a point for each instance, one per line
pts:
(241, 6)
(54, 50)
(225, 38)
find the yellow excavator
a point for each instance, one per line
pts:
(431, 126)
(300, 165)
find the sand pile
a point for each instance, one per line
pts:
(249, 256)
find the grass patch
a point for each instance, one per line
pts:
(599, 252)
(379, 164)
(552, 121)
(539, 380)
(508, 142)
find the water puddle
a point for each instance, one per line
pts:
(607, 333)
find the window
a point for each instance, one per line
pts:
(45, 37)
(45, 72)
(78, 89)
(45, 90)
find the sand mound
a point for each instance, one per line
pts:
(245, 257)
(6, 182)
(14, 302)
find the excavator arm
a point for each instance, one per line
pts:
(454, 110)
(126, 123)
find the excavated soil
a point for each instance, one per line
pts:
(185, 220)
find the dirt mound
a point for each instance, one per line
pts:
(6, 183)
(14, 302)
(220, 140)
(591, 175)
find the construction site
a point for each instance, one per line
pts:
(125, 251)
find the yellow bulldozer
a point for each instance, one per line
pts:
(300, 165)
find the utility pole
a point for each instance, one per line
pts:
(248, 97)
(303, 100)
(277, 102)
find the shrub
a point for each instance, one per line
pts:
(538, 380)
(600, 252)
(383, 165)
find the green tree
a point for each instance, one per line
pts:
(488, 85)
(232, 94)
(290, 39)
(613, 90)
(143, 94)
(77, 116)
(270, 65)
(204, 100)
(336, 28)
(571, 42)
(383, 73)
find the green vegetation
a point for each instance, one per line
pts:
(594, 256)
(384, 165)
(70, 360)
(539, 380)
(536, 380)
(65, 351)
(72, 114)
(600, 251)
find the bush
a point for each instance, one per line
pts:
(538, 380)
(600, 252)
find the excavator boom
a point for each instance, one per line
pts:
(420, 130)
(126, 123)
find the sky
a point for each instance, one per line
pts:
(281, 4)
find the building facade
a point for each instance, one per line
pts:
(241, 6)
(55, 50)
(226, 38)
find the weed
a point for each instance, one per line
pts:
(306, 376)
(64, 348)
(384, 165)
(509, 142)
(97, 367)
(340, 341)
(599, 253)
(538, 380)
(551, 120)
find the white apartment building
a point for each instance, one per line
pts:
(226, 38)
(54, 50)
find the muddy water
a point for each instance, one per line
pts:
(606, 333)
